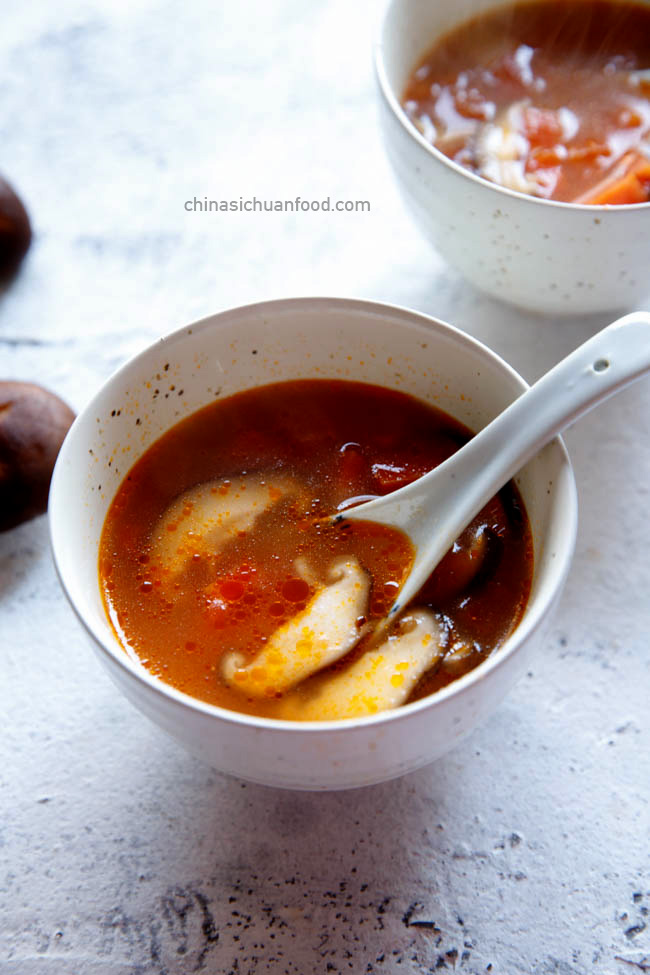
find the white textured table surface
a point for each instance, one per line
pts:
(526, 850)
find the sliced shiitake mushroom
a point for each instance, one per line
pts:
(33, 424)
(459, 568)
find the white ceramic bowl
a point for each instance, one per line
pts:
(554, 258)
(255, 345)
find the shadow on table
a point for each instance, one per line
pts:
(298, 882)
(21, 550)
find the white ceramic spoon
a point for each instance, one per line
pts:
(436, 508)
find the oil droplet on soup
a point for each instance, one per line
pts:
(220, 571)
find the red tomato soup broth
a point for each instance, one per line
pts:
(550, 98)
(218, 540)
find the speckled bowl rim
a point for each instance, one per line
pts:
(392, 100)
(533, 618)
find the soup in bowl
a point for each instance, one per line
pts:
(520, 137)
(199, 558)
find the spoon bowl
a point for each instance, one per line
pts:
(436, 508)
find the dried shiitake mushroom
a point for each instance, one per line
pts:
(33, 423)
(15, 231)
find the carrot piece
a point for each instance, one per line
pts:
(628, 183)
(543, 158)
(590, 151)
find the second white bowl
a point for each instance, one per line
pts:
(555, 258)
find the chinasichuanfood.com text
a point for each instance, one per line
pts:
(296, 205)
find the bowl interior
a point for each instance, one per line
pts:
(270, 342)
(411, 28)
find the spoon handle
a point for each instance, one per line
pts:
(605, 364)
(436, 508)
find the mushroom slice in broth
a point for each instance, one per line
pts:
(206, 517)
(322, 633)
(381, 679)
